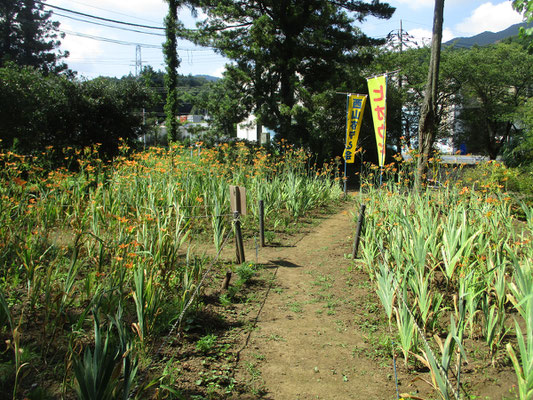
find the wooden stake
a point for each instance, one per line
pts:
(227, 279)
(239, 247)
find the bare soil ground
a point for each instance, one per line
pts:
(311, 327)
(308, 343)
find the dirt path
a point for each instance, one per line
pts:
(307, 343)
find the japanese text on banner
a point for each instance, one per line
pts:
(377, 89)
(354, 117)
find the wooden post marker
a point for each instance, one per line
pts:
(238, 207)
(358, 231)
(237, 198)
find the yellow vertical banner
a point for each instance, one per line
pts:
(354, 118)
(377, 89)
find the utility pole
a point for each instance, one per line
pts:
(138, 60)
(403, 120)
(401, 45)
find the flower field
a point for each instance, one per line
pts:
(97, 259)
(453, 270)
(100, 262)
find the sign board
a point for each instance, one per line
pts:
(237, 197)
(377, 88)
(354, 117)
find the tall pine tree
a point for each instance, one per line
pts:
(29, 37)
(287, 49)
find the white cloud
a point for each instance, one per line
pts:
(138, 7)
(201, 15)
(81, 48)
(447, 34)
(420, 4)
(489, 17)
(218, 73)
(423, 36)
(415, 4)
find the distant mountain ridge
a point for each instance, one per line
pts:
(486, 38)
(208, 77)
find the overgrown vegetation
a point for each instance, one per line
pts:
(85, 255)
(452, 266)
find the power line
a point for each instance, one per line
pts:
(109, 26)
(124, 42)
(101, 18)
(109, 40)
(112, 11)
(117, 41)
(418, 23)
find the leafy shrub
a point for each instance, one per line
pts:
(246, 271)
(495, 175)
(38, 110)
(206, 343)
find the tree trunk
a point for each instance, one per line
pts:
(427, 126)
(287, 101)
(287, 90)
(492, 145)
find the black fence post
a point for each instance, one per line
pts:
(262, 222)
(358, 231)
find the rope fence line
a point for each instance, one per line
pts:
(178, 322)
(256, 319)
(199, 285)
(171, 206)
(209, 216)
(195, 293)
(419, 330)
(205, 205)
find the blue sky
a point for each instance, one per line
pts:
(94, 55)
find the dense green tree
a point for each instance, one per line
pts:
(172, 61)
(224, 103)
(287, 52)
(35, 111)
(496, 81)
(525, 7)
(111, 110)
(29, 37)
(191, 90)
(480, 90)
(519, 151)
(410, 81)
(38, 110)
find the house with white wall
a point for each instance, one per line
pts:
(251, 131)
